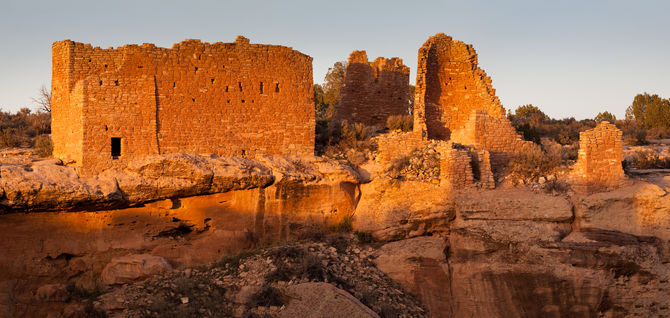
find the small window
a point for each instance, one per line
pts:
(276, 87)
(239, 84)
(261, 87)
(226, 88)
(116, 147)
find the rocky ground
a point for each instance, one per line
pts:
(335, 277)
(401, 247)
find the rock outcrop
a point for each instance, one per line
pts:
(50, 186)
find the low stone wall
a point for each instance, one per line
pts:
(599, 166)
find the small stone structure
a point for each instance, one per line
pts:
(598, 165)
(229, 99)
(373, 91)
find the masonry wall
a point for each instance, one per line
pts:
(598, 165)
(497, 135)
(449, 86)
(229, 99)
(373, 91)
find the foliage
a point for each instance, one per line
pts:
(646, 160)
(21, 128)
(400, 122)
(534, 125)
(412, 92)
(605, 116)
(650, 110)
(364, 237)
(327, 95)
(344, 225)
(267, 296)
(43, 145)
(533, 162)
(344, 140)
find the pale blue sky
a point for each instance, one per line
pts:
(570, 58)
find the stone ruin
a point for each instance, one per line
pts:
(598, 164)
(455, 101)
(373, 91)
(229, 99)
(242, 99)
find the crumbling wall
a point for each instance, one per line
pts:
(450, 85)
(497, 135)
(455, 101)
(396, 144)
(222, 98)
(373, 91)
(455, 167)
(598, 165)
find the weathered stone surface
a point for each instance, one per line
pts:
(373, 91)
(50, 186)
(319, 300)
(642, 209)
(420, 265)
(391, 209)
(126, 269)
(231, 99)
(309, 169)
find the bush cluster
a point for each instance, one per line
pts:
(25, 129)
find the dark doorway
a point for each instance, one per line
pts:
(116, 147)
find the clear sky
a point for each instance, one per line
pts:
(570, 58)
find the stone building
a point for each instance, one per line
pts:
(229, 99)
(373, 91)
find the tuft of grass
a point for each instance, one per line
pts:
(364, 237)
(345, 224)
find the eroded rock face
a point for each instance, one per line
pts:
(126, 269)
(512, 253)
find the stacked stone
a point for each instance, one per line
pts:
(450, 85)
(483, 160)
(230, 99)
(373, 91)
(397, 144)
(598, 165)
(497, 135)
(455, 167)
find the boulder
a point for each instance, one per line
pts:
(126, 269)
(322, 300)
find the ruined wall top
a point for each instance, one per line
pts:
(373, 91)
(449, 86)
